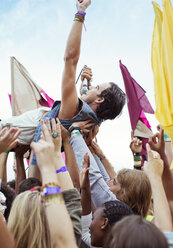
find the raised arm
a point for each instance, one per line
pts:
(69, 94)
(58, 219)
(157, 144)
(154, 169)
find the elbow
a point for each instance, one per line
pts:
(71, 58)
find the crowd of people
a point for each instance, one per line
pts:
(78, 200)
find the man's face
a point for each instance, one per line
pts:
(114, 185)
(93, 93)
(95, 227)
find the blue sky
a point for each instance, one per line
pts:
(35, 32)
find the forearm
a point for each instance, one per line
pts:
(169, 151)
(162, 213)
(167, 178)
(20, 171)
(63, 177)
(86, 200)
(3, 171)
(102, 168)
(72, 51)
(71, 164)
(108, 167)
(60, 225)
(6, 239)
(59, 221)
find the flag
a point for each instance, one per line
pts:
(25, 93)
(137, 104)
(162, 61)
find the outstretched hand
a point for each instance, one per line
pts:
(92, 134)
(83, 125)
(84, 174)
(86, 73)
(135, 144)
(8, 138)
(54, 129)
(154, 166)
(157, 143)
(82, 5)
(97, 149)
(45, 148)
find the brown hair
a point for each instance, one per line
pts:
(135, 190)
(134, 232)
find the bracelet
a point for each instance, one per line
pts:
(51, 184)
(137, 163)
(137, 154)
(51, 190)
(62, 169)
(53, 199)
(75, 132)
(79, 17)
(73, 128)
(81, 12)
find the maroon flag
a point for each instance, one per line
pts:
(137, 104)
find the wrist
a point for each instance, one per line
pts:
(154, 178)
(81, 8)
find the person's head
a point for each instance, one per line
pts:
(28, 221)
(28, 184)
(133, 187)
(108, 98)
(10, 195)
(104, 217)
(135, 232)
(12, 184)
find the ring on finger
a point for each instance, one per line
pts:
(54, 135)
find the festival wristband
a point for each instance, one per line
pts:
(81, 12)
(51, 190)
(62, 169)
(75, 132)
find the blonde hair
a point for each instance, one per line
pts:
(28, 221)
(135, 190)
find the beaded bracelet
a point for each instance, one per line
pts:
(137, 160)
(62, 169)
(51, 184)
(79, 17)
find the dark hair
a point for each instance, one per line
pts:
(10, 195)
(12, 184)
(115, 211)
(28, 184)
(135, 232)
(114, 101)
